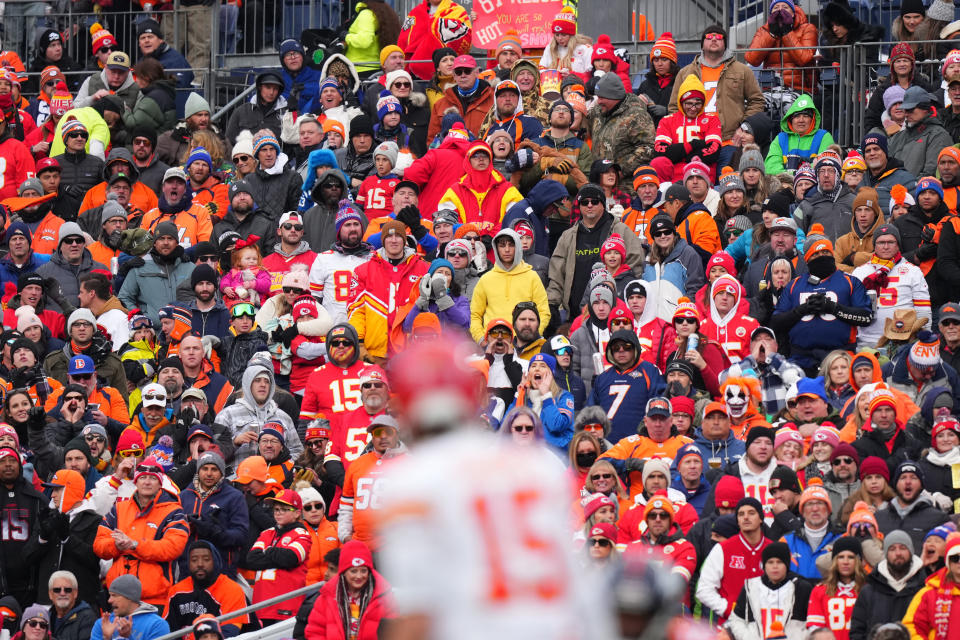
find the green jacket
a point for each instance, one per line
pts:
(156, 285)
(363, 43)
(774, 162)
(155, 108)
(625, 136)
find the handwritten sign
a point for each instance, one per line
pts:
(530, 18)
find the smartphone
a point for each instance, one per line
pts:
(94, 406)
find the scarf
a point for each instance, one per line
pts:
(879, 278)
(471, 91)
(947, 459)
(942, 608)
(77, 349)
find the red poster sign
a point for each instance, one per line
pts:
(530, 18)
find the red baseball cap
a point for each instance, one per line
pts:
(47, 163)
(288, 497)
(465, 62)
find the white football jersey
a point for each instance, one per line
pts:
(906, 289)
(475, 536)
(330, 276)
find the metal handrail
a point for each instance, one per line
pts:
(302, 591)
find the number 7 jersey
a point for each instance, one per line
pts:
(474, 534)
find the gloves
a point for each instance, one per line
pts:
(37, 417)
(675, 153)
(656, 110)
(52, 288)
(61, 525)
(304, 474)
(444, 302)
(633, 465)
(487, 241)
(829, 306)
(409, 216)
(205, 528)
(289, 334)
(849, 259)
(438, 286)
(75, 191)
(928, 233)
(276, 335)
(697, 145)
(563, 166)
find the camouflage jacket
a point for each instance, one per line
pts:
(625, 136)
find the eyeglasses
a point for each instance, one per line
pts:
(564, 351)
(520, 428)
(589, 202)
(130, 453)
(601, 476)
(685, 321)
(142, 142)
(296, 227)
(660, 234)
(402, 85)
(462, 72)
(839, 461)
(499, 333)
(62, 589)
(296, 290)
(279, 509)
(38, 623)
(658, 515)
(617, 347)
(600, 542)
(339, 344)
(74, 240)
(456, 253)
(77, 134)
(242, 158)
(94, 438)
(312, 507)
(372, 385)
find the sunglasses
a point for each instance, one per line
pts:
(402, 85)
(81, 376)
(617, 347)
(658, 515)
(954, 559)
(589, 202)
(242, 158)
(500, 333)
(372, 385)
(462, 72)
(594, 427)
(317, 444)
(142, 142)
(839, 461)
(130, 453)
(77, 134)
(340, 343)
(520, 428)
(456, 253)
(154, 396)
(564, 351)
(624, 323)
(950, 323)
(94, 438)
(600, 542)
(312, 507)
(296, 290)
(685, 321)
(74, 240)
(379, 432)
(38, 623)
(62, 589)
(144, 468)
(77, 398)
(296, 227)
(601, 476)
(207, 259)
(660, 234)
(713, 36)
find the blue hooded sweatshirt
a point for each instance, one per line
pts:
(317, 158)
(531, 208)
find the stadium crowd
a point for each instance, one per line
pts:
(730, 345)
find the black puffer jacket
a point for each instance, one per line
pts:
(79, 172)
(276, 193)
(237, 349)
(920, 517)
(255, 115)
(878, 603)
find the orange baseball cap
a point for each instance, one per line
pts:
(253, 468)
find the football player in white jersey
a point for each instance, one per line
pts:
(474, 527)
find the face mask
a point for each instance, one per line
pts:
(586, 460)
(676, 389)
(822, 267)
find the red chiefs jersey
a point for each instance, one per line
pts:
(274, 582)
(348, 435)
(330, 390)
(733, 337)
(375, 195)
(678, 128)
(832, 612)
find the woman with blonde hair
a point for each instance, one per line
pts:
(602, 478)
(874, 491)
(835, 370)
(209, 141)
(585, 448)
(831, 601)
